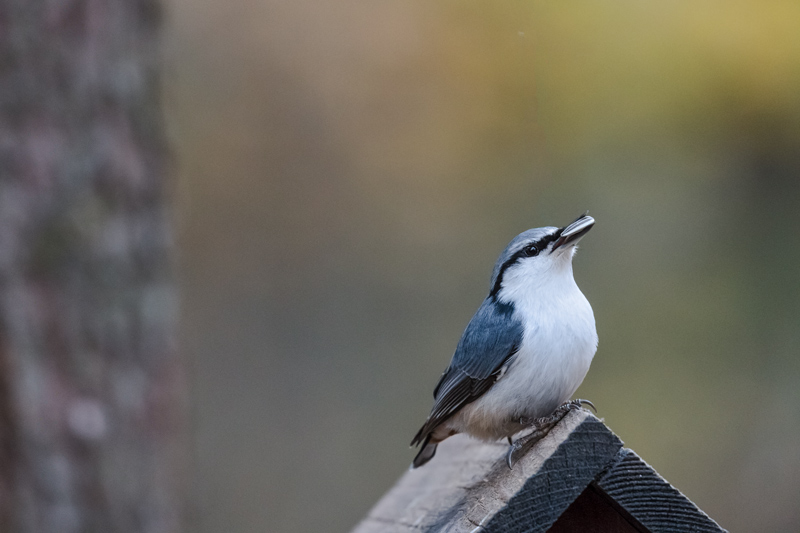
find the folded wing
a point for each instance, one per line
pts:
(492, 337)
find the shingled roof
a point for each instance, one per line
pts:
(578, 478)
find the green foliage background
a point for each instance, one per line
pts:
(350, 170)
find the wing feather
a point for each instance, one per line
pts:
(491, 338)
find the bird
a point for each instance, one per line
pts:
(524, 352)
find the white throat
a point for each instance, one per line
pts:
(539, 278)
(560, 337)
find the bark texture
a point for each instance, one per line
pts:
(91, 386)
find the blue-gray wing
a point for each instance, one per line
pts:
(491, 338)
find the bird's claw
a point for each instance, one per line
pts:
(510, 460)
(579, 403)
(541, 427)
(521, 446)
(565, 408)
(562, 411)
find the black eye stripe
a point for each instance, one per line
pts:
(540, 245)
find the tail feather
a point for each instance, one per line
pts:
(426, 453)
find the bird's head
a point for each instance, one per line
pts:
(539, 256)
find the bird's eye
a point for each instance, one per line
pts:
(531, 250)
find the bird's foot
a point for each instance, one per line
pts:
(547, 422)
(577, 403)
(521, 446)
(541, 427)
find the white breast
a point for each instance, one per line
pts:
(558, 345)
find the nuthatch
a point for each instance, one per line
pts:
(524, 353)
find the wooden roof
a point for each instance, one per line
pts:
(578, 478)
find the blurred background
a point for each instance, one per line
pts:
(349, 172)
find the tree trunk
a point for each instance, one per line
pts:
(91, 386)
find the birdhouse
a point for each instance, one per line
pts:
(579, 478)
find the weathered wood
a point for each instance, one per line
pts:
(637, 488)
(560, 480)
(580, 471)
(468, 482)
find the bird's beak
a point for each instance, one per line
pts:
(573, 232)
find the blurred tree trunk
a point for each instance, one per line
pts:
(91, 387)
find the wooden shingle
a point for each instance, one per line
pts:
(578, 478)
